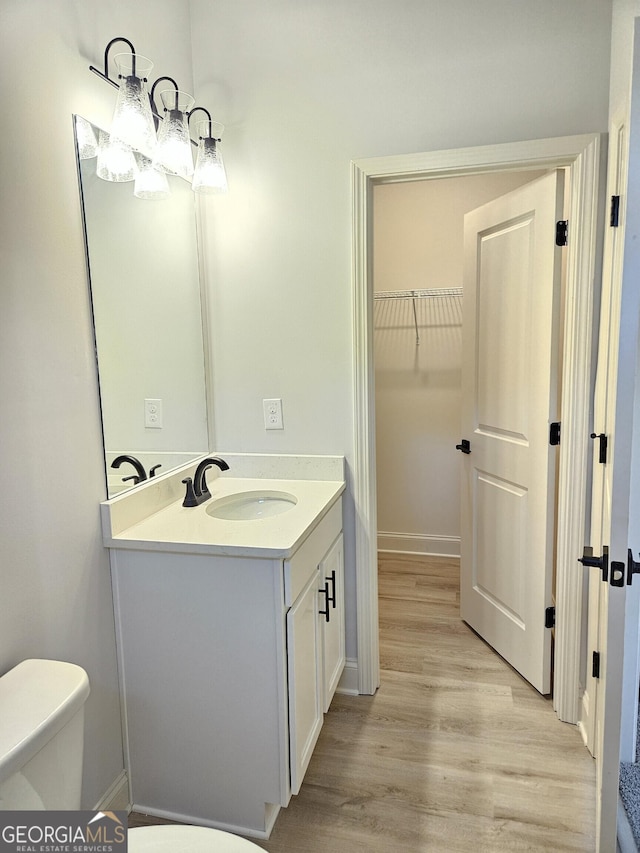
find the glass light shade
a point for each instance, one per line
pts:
(151, 182)
(209, 175)
(87, 142)
(132, 119)
(173, 151)
(115, 160)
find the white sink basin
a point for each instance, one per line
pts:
(249, 506)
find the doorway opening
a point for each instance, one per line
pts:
(581, 157)
(418, 281)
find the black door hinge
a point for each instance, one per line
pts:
(554, 433)
(562, 230)
(595, 665)
(602, 450)
(550, 617)
(614, 218)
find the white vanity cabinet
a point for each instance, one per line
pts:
(226, 671)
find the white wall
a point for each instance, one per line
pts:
(55, 598)
(418, 231)
(303, 89)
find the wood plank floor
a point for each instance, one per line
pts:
(455, 752)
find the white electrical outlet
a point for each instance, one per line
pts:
(272, 414)
(153, 414)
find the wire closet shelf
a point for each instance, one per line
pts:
(426, 293)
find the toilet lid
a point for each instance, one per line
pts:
(186, 839)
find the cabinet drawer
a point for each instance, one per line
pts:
(306, 559)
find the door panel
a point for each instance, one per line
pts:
(511, 299)
(503, 295)
(305, 703)
(501, 532)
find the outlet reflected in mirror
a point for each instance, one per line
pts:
(145, 290)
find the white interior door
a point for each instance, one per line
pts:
(611, 495)
(610, 703)
(509, 384)
(604, 424)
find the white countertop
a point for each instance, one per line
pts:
(179, 529)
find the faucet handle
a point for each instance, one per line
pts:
(152, 471)
(190, 498)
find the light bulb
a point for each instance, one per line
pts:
(132, 119)
(173, 151)
(209, 176)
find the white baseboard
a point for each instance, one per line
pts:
(349, 679)
(117, 797)
(271, 813)
(413, 543)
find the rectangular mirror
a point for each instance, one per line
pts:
(143, 269)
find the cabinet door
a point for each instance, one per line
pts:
(332, 579)
(305, 699)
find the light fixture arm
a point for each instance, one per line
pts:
(105, 74)
(153, 88)
(208, 114)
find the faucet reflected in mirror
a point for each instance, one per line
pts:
(144, 281)
(140, 474)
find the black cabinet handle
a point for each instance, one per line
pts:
(464, 446)
(332, 597)
(325, 613)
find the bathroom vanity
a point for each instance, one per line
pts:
(231, 644)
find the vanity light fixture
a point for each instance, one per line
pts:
(209, 175)
(160, 140)
(173, 150)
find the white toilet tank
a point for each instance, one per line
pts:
(41, 735)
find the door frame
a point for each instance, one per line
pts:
(582, 156)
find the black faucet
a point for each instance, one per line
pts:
(140, 474)
(197, 489)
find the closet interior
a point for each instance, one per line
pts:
(418, 230)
